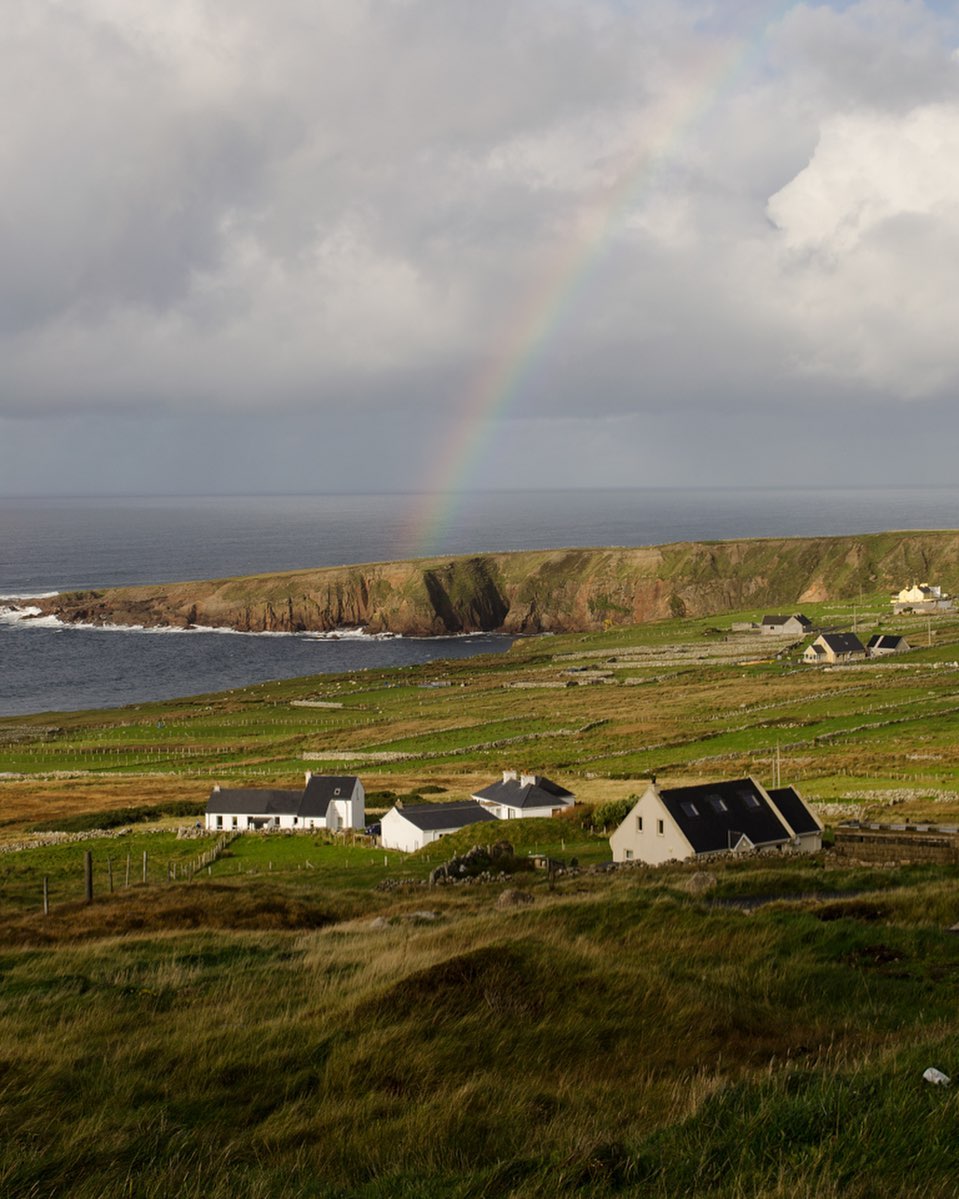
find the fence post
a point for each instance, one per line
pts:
(110, 874)
(127, 882)
(46, 896)
(144, 865)
(87, 876)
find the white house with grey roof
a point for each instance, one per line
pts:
(796, 625)
(411, 826)
(679, 823)
(880, 645)
(325, 802)
(518, 797)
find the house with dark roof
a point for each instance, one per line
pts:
(881, 644)
(411, 826)
(518, 797)
(330, 802)
(830, 648)
(679, 823)
(785, 626)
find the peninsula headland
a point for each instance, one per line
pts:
(571, 590)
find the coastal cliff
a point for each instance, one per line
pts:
(535, 591)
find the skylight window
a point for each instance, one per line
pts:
(718, 804)
(749, 799)
(690, 809)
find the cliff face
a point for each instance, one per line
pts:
(534, 592)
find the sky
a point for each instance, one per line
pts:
(428, 245)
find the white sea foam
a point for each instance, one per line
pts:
(32, 616)
(28, 595)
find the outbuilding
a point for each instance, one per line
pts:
(410, 827)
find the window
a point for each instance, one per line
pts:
(749, 799)
(690, 809)
(629, 855)
(639, 824)
(660, 827)
(717, 803)
(219, 822)
(235, 821)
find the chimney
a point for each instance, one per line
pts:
(527, 780)
(309, 775)
(216, 786)
(509, 775)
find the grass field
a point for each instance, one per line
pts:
(307, 1017)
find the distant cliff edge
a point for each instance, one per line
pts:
(536, 591)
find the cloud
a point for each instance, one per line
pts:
(358, 210)
(870, 229)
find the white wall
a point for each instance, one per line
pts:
(396, 832)
(630, 843)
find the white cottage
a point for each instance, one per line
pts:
(410, 827)
(679, 823)
(520, 797)
(325, 802)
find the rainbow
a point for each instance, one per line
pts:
(534, 322)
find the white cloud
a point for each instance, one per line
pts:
(870, 229)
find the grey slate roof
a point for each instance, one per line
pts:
(713, 816)
(245, 801)
(885, 641)
(776, 620)
(320, 789)
(793, 807)
(543, 793)
(431, 817)
(844, 643)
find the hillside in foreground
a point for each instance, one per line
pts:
(308, 1018)
(538, 591)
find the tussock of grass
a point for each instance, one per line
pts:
(616, 1038)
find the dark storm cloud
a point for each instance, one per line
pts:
(227, 225)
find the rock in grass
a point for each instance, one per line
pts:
(511, 898)
(701, 882)
(936, 1077)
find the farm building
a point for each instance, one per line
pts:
(330, 802)
(520, 797)
(830, 648)
(921, 598)
(410, 827)
(881, 644)
(679, 823)
(785, 626)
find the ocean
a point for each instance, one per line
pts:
(58, 544)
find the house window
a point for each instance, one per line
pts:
(235, 821)
(219, 822)
(660, 827)
(639, 824)
(749, 799)
(717, 804)
(690, 809)
(629, 855)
